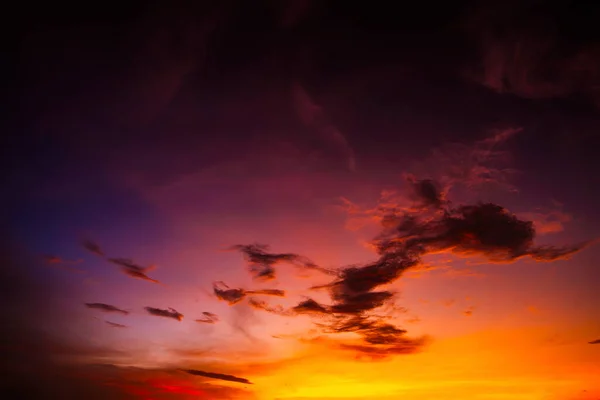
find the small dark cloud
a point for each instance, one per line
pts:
(168, 313)
(426, 192)
(233, 296)
(132, 269)
(214, 375)
(92, 247)
(309, 306)
(268, 292)
(208, 318)
(261, 263)
(106, 308)
(595, 341)
(262, 305)
(468, 312)
(115, 325)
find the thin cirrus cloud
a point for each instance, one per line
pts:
(313, 116)
(106, 308)
(214, 375)
(93, 247)
(128, 267)
(168, 313)
(133, 270)
(595, 341)
(115, 325)
(528, 59)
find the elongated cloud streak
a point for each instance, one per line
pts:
(115, 325)
(93, 247)
(132, 269)
(261, 263)
(233, 296)
(595, 341)
(106, 308)
(214, 375)
(168, 313)
(313, 116)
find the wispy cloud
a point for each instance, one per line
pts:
(132, 269)
(58, 262)
(595, 341)
(52, 259)
(261, 263)
(93, 247)
(106, 308)
(208, 318)
(214, 375)
(233, 296)
(313, 116)
(168, 313)
(115, 325)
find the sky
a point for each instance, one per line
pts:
(301, 200)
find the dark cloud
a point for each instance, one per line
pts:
(132, 269)
(115, 325)
(595, 342)
(208, 318)
(233, 296)
(93, 247)
(426, 192)
(106, 308)
(431, 225)
(214, 375)
(168, 313)
(309, 306)
(262, 263)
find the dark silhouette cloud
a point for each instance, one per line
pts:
(106, 308)
(132, 269)
(93, 247)
(168, 313)
(309, 306)
(426, 191)
(595, 341)
(115, 325)
(233, 296)
(214, 375)
(262, 263)
(431, 225)
(208, 318)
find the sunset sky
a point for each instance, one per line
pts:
(302, 200)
